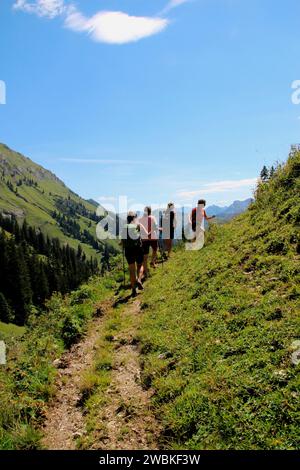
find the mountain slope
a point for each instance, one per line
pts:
(29, 191)
(220, 329)
(218, 333)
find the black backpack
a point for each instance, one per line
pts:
(131, 242)
(194, 219)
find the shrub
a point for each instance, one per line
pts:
(71, 330)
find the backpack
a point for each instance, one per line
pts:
(194, 219)
(134, 241)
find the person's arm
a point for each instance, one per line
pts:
(143, 230)
(190, 217)
(207, 217)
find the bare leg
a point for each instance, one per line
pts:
(132, 273)
(140, 272)
(154, 256)
(146, 269)
(169, 246)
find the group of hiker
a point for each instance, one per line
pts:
(142, 234)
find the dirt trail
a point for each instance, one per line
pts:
(127, 417)
(64, 420)
(130, 423)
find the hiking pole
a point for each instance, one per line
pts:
(160, 235)
(124, 275)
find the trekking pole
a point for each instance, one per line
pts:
(124, 275)
(160, 235)
(183, 226)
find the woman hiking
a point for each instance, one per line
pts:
(132, 245)
(149, 229)
(169, 224)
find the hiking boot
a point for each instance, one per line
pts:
(134, 293)
(139, 285)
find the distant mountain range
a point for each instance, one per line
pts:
(227, 212)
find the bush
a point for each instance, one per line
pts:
(276, 246)
(80, 295)
(71, 330)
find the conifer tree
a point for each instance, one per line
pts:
(272, 172)
(264, 174)
(5, 311)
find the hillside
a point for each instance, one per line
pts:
(29, 191)
(219, 328)
(207, 357)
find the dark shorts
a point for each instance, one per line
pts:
(147, 244)
(134, 255)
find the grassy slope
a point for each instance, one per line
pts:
(35, 204)
(218, 326)
(10, 331)
(27, 381)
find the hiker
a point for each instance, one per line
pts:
(169, 223)
(132, 245)
(197, 219)
(149, 229)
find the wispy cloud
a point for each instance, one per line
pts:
(115, 27)
(173, 4)
(218, 187)
(100, 161)
(47, 8)
(111, 27)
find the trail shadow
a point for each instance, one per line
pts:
(122, 300)
(122, 287)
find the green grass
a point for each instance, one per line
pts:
(218, 325)
(27, 381)
(8, 331)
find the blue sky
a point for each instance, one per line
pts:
(154, 100)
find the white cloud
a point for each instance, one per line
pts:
(219, 187)
(115, 27)
(47, 8)
(112, 27)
